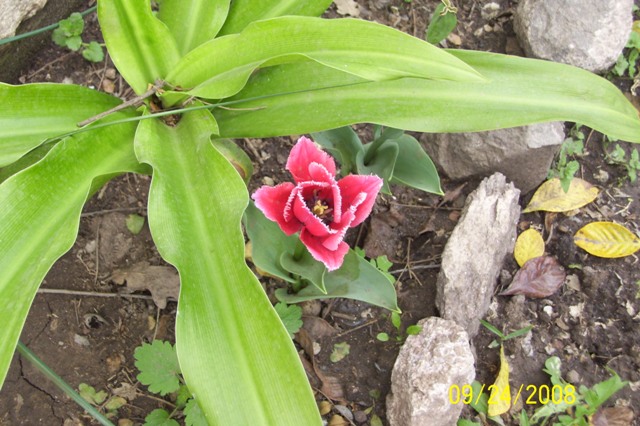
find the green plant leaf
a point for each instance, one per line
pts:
(158, 365)
(194, 415)
(306, 267)
(356, 279)
(414, 167)
(236, 156)
(291, 317)
(134, 223)
(194, 22)
(340, 351)
(382, 164)
(342, 143)
(90, 395)
(141, 46)
(299, 98)
(93, 52)
(244, 12)
(441, 24)
(73, 43)
(221, 67)
(40, 212)
(264, 233)
(159, 417)
(31, 113)
(228, 336)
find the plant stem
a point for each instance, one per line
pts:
(60, 383)
(40, 30)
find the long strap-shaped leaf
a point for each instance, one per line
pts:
(39, 215)
(141, 46)
(193, 22)
(519, 91)
(31, 113)
(234, 352)
(221, 67)
(245, 12)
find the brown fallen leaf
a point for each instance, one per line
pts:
(162, 281)
(538, 278)
(331, 387)
(452, 194)
(613, 416)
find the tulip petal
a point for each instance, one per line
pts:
(333, 240)
(272, 201)
(359, 192)
(302, 155)
(319, 173)
(310, 221)
(332, 259)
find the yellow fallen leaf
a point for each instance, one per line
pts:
(607, 239)
(529, 245)
(500, 397)
(551, 197)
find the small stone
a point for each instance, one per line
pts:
(268, 181)
(80, 340)
(454, 39)
(108, 86)
(601, 176)
(110, 73)
(573, 376)
(428, 364)
(490, 11)
(360, 416)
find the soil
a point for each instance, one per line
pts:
(591, 323)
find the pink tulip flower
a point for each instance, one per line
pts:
(317, 205)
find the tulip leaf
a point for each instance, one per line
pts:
(228, 336)
(40, 213)
(299, 98)
(414, 167)
(382, 163)
(31, 113)
(193, 22)
(245, 12)
(344, 144)
(607, 239)
(306, 267)
(529, 245)
(356, 279)
(551, 197)
(236, 156)
(141, 46)
(268, 243)
(221, 67)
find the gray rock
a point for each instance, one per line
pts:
(428, 365)
(589, 34)
(522, 154)
(13, 12)
(474, 254)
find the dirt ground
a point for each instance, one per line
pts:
(88, 337)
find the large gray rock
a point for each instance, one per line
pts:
(427, 366)
(586, 33)
(522, 154)
(474, 254)
(13, 12)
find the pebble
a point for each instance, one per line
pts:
(573, 377)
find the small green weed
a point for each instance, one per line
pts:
(501, 336)
(291, 317)
(631, 163)
(627, 62)
(566, 166)
(396, 320)
(100, 399)
(69, 35)
(160, 372)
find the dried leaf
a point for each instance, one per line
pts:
(539, 277)
(500, 397)
(529, 245)
(552, 198)
(613, 416)
(331, 387)
(607, 239)
(162, 281)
